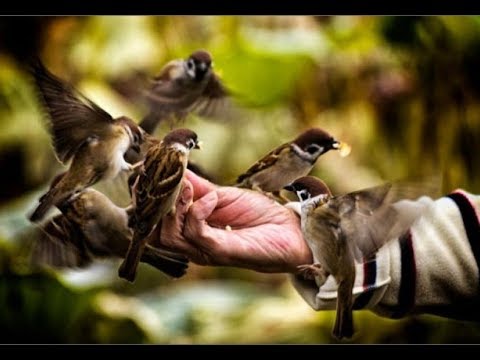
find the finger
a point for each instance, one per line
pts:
(203, 208)
(186, 197)
(172, 226)
(196, 229)
(200, 185)
(199, 234)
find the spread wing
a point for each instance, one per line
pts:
(155, 185)
(172, 95)
(60, 244)
(73, 118)
(215, 101)
(369, 217)
(268, 160)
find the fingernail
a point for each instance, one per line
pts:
(187, 193)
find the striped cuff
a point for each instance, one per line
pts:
(434, 268)
(471, 223)
(437, 270)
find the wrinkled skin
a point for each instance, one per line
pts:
(265, 236)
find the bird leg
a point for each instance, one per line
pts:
(275, 195)
(280, 198)
(310, 271)
(135, 166)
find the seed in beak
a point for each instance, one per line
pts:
(345, 149)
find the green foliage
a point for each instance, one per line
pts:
(402, 91)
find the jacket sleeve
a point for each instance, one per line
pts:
(432, 269)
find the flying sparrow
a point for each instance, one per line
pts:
(86, 134)
(183, 86)
(92, 227)
(289, 161)
(342, 229)
(155, 191)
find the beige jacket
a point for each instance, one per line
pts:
(432, 269)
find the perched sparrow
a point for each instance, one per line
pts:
(181, 87)
(340, 229)
(85, 133)
(289, 161)
(92, 227)
(155, 191)
(138, 156)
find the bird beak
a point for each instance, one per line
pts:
(289, 187)
(203, 66)
(199, 145)
(342, 146)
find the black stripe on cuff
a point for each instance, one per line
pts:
(470, 222)
(406, 294)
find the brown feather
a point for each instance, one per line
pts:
(371, 217)
(154, 195)
(267, 161)
(150, 196)
(174, 95)
(92, 227)
(73, 118)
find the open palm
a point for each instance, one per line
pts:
(229, 226)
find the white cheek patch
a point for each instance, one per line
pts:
(303, 154)
(181, 148)
(129, 132)
(191, 73)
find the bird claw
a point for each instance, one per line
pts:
(311, 271)
(135, 166)
(275, 196)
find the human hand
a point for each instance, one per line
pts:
(265, 236)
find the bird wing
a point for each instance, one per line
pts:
(73, 118)
(220, 103)
(162, 172)
(169, 93)
(267, 161)
(171, 96)
(370, 218)
(60, 244)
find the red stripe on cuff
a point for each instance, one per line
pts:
(369, 279)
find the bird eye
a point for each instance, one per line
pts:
(303, 195)
(191, 144)
(312, 149)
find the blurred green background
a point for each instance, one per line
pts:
(404, 92)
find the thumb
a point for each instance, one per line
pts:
(203, 208)
(186, 197)
(196, 229)
(200, 185)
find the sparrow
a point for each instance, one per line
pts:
(183, 86)
(91, 227)
(345, 228)
(84, 133)
(155, 191)
(289, 161)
